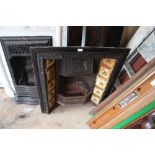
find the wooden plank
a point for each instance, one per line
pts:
(147, 99)
(139, 119)
(123, 102)
(137, 64)
(101, 120)
(129, 85)
(135, 116)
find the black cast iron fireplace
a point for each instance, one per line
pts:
(66, 75)
(18, 58)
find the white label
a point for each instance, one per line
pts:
(128, 99)
(153, 83)
(80, 50)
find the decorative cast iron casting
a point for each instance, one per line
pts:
(17, 53)
(40, 54)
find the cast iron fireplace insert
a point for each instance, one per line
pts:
(17, 53)
(66, 74)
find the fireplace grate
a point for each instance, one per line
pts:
(21, 50)
(18, 58)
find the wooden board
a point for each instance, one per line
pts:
(138, 63)
(123, 103)
(125, 88)
(143, 113)
(130, 111)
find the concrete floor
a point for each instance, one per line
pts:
(14, 115)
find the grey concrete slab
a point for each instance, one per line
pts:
(22, 116)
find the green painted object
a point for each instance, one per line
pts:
(91, 115)
(135, 116)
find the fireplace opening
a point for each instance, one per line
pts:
(75, 90)
(75, 79)
(22, 70)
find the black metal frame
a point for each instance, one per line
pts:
(23, 93)
(41, 53)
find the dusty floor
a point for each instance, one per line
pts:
(30, 116)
